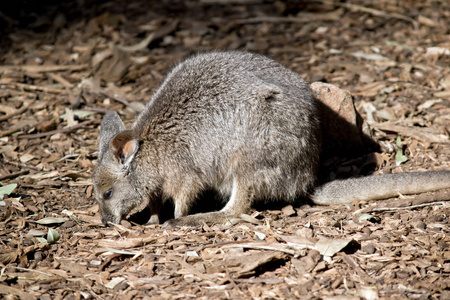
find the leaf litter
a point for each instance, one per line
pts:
(61, 72)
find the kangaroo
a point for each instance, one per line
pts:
(235, 122)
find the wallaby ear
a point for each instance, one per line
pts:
(268, 92)
(123, 147)
(111, 125)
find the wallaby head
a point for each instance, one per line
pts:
(114, 192)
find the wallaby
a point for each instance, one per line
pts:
(235, 122)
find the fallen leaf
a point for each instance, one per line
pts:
(26, 158)
(329, 247)
(370, 56)
(35, 232)
(250, 263)
(114, 282)
(52, 236)
(7, 189)
(51, 221)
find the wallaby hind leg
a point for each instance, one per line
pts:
(240, 203)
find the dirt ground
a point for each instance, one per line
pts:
(62, 67)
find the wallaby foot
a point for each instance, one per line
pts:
(240, 203)
(211, 218)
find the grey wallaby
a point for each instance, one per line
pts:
(235, 122)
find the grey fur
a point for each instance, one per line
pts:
(236, 122)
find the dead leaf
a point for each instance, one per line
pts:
(51, 221)
(250, 263)
(329, 247)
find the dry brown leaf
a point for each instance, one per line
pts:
(248, 264)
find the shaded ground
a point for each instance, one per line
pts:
(61, 69)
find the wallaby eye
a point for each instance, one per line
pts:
(108, 194)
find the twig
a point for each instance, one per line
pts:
(8, 132)
(61, 130)
(375, 12)
(31, 87)
(24, 166)
(159, 33)
(423, 134)
(11, 21)
(120, 100)
(301, 18)
(14, 130)
(271, 20)
(31, 270)
(17, 112)
(60, 79)
(375, 209)
(40, 69)
(14, 175)
(421, 200)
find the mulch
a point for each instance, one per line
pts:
(62, 66)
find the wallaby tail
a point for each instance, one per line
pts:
(380, 187)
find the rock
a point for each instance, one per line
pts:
(344, 132)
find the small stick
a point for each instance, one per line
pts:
(271, 20)
(379, 13)
(8, 132)
(13, 130)
(407, 207)
(24, 166)
(31, 270)
(31, 87)
(14, 175)
(421, 200)
(61, 130)
(61, 80)
(17, 112)
(39, 69)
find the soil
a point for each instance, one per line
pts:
(63, 65)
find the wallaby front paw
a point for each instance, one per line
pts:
(154, 219)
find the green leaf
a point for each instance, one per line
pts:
(42, 240)
(7, 189)
(399, 157)
(365, 217)
(52, 236)
(398, 141)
